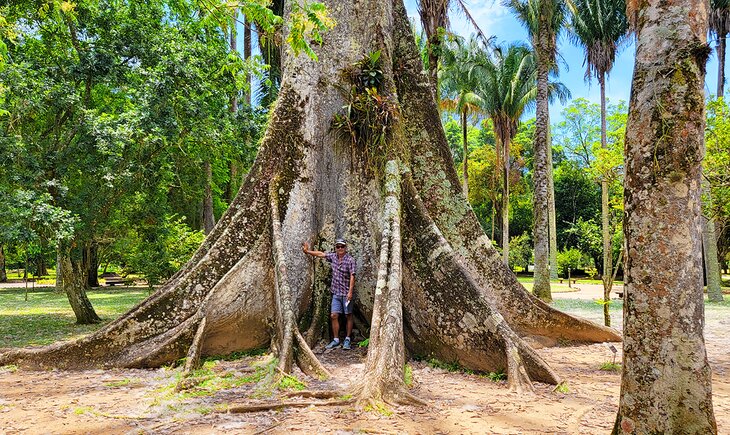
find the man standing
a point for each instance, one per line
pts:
(343, 282)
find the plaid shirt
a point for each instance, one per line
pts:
(341, 271)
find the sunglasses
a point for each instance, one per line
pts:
(340, 247)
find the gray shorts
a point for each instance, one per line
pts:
(340, 305)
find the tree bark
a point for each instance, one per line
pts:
(208, 216)
(666, 380)
(428, 276)
(74, 282)
(91, 263)
(607, 276)
(541, 286)
(553, 244)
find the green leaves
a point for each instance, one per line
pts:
(307, 22)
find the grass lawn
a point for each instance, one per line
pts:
(47, 316)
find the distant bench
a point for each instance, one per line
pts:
(572, 280)
(113, 279)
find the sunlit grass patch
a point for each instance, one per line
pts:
(47, 316)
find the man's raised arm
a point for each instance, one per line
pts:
(305, 249)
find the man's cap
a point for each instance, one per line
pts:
(340, 242)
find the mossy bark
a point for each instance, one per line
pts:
(666, 380)
(428, 278)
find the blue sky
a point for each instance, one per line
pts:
(495, 19)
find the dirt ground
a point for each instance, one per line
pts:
(141, 401)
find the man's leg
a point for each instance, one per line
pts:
(335, 311)
(350, 322)
(335, 318)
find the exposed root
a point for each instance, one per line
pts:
(307, 361)
(383, 377)
(257, 407)
(327, 394)
(192, 361)
(517, 378)
(476, 334)
(288, 333)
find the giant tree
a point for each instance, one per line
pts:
(666, 379)
(428, 278)
(543, 20)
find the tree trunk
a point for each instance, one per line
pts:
(3, 273)
(429, 279)
(709, 246)
(541, 287)
(505, 203)
(247, 55)
(666, 380)
(607, 274)
(721, 45)
(208, 216)
(553, 245)
(91, 263)
(74, 282)
(465, 144)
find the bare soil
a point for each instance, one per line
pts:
(142, 401)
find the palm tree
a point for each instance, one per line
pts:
(508, 87)
(458, 88)
(543, 19)
(719, 21)
(601, 27)
(434, 15)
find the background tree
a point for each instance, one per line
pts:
(666, 380)
(719, 24)
(459, 83)
(716, 189)
(600, 26)
(507, 87)
(543, 19)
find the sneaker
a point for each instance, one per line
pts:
(346, 346)
(334, 343)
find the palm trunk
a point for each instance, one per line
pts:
(247, 55)
(551, 210)
(721, 45)
(666, 380)
(541, 287)
(605, 228)
(233, 44)
(505, 202)
(465, 186)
